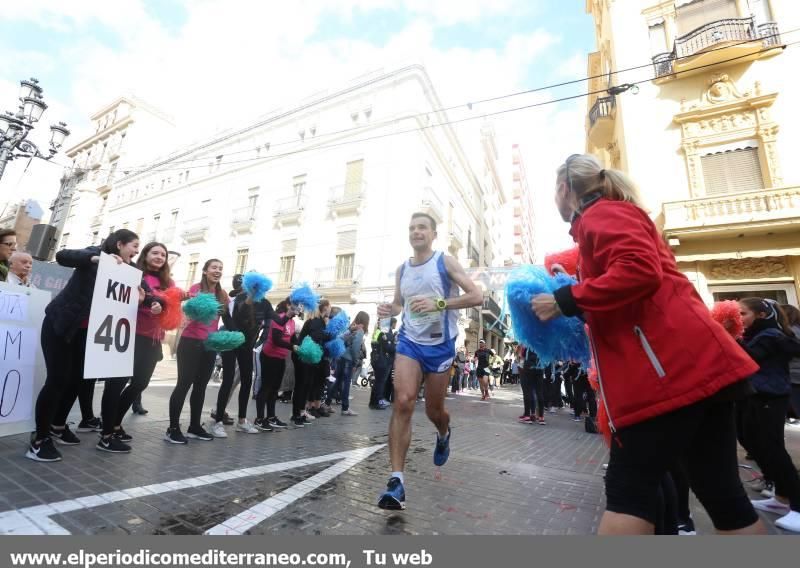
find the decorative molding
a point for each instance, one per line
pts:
(743, 268)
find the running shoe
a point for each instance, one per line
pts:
(524, 419)
(44, 451)
(771, 505)
(246, 427)
(541, 421)
(64, 437)
(768, 491)
(299, 422)
(199, 433)
(324, 412)
(349, 412)
(577, 419)
(112, 445)
(175, 436)
(305, 419)
(789, 522)
(262, 424)
(122, 436)
(91, 425)
(394, 498)
(384, 403)
(277, 423)
(226, 419)
(218, 430)
(308, 417)
(442, 450)
(687, 528)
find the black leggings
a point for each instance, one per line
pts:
(527, 382)
(195, 365)
(300, 392)
(764, 431)
(538, 390)
(581, 388)
(64, 363)
(117, 399)
(272, 370)
(147, 355)
(244, 357)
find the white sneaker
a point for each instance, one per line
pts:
(771, 505)
(769, 490)
(790, 522)
(308, 416)
(246, 427)
(218, 430)
(349, 412)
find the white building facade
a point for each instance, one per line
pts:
(322, 192)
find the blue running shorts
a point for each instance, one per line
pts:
(432, 358)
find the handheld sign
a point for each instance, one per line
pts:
(22, 370)
(112, 320)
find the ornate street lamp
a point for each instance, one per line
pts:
(15, 126)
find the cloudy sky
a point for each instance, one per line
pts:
(210, 63)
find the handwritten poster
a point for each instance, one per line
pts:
(13, 306)
(17, 366)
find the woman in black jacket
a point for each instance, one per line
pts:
(314, 376)
(771, 343)
(63, 338)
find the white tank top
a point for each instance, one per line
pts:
(428, 280)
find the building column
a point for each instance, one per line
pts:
(794, 270)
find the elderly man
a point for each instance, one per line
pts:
(20, 265)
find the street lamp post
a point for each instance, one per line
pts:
(15, 126)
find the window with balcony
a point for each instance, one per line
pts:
(696, 14)
(299, 184)
(658, 39)
(286, 273)
(241, 260)
(192, 272)
(732, 171)
(344, 266)
(252, 202)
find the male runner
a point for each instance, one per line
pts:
(426, 292)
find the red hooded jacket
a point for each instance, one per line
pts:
(655, 344)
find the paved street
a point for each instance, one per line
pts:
(503, 477)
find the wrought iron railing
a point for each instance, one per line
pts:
(603, 107)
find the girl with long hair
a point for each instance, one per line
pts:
(667, 371)
(314, 376)
(770, 341)
(195, 363)
(344, 366)
(156, 278)
(63, 338)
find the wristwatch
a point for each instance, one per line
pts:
(441, 304)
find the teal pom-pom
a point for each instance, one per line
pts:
(256, 285)
(309, 351)
(303, 295)
(335, 348)
(203, 308)
(561, 339)
(224, 340)
(338, 324)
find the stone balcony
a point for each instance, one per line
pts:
(730, 213)
(601, 120)
(456, 236)
(196, 230)
(243, 220)
(347, 199)
(289, 210)
(728, 41)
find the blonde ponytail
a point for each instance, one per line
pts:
(584, 174)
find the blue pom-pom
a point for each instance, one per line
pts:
(256, 285)
(203, 308)
(335, 348)
(309, 351)
(561, 339)
(338, 324)
(223, 340)
(303, 295)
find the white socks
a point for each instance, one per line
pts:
(399, 475)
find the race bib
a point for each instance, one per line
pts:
(430, 318)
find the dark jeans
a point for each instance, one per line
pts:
(764, 432)
(195, 365)
(272, 370)
(344, 375)
(64, 363)
(148, 353)
(584, 397)
(244, 357)
(527, 381)
(382, 370)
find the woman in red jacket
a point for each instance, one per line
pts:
(667, 372)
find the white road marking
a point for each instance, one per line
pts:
(246, 520)
(36, 520)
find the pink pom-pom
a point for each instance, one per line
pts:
(727, 314)
(566, 258)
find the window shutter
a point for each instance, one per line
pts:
(732, 171)
(354, 177)
(289, 247)
(696, 14)
(346, 242)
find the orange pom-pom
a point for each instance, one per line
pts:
(172, 315)
(566, 258)
(727, 314)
